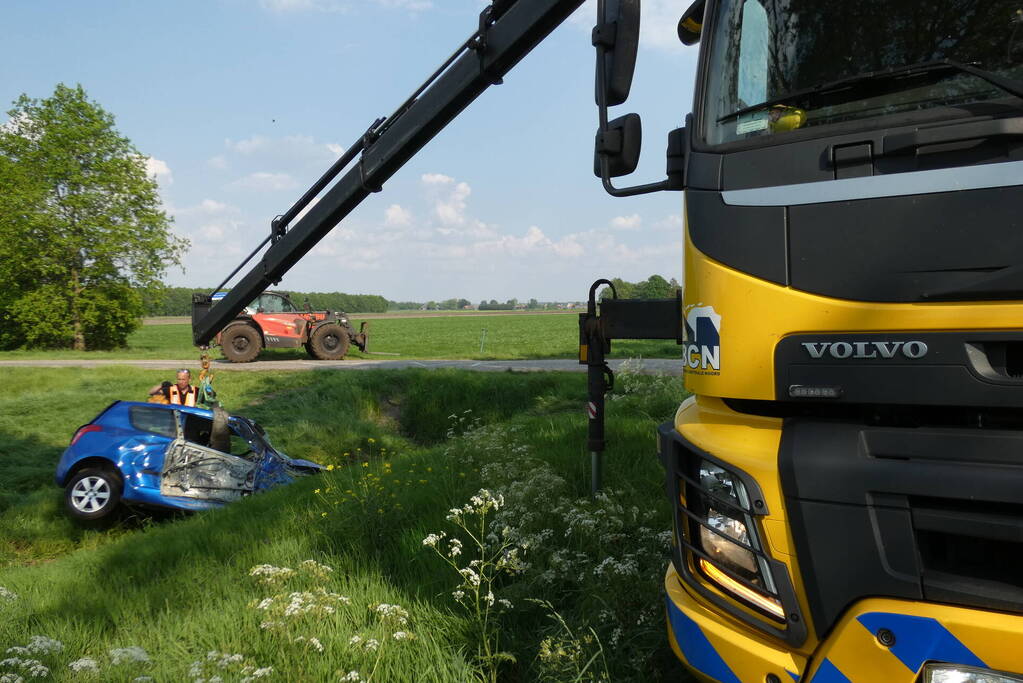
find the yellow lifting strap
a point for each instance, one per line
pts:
(207, 396)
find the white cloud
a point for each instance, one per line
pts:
(218, 162)
(288, 151)
(672, 222)
(626, 222)
(263, 181)
(395, 215)
(159, 171)
(450, 209)
(437, 179)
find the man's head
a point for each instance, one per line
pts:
(184, 379)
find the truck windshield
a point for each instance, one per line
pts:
(781, 54)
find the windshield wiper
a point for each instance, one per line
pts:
(1009, 85)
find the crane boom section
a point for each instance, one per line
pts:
(509, 30)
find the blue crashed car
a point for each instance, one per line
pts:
(168, 456)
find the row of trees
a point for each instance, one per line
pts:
(654, 287)
(82, 231)
(178, 301)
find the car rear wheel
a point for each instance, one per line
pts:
(241, 343)
(329, 342)
(93, 493)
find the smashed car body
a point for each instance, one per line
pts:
(169, 456)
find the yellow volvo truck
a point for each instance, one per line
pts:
(847, 477)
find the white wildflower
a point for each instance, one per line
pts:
(131, 654)
(142, 679)
(315, 568)
(395, 613)
(458, 595)
(7, 595)
(432, 540)
(470, 576)
(371, 645)
(85, 664)
(355, 640)
(32, 668)
(454, 547)
(505, 603)
(11, 678)
(353, 677)
(401, 635)
(264, 672)
(312, 642)
(41, 645)
(269, 574)
(18, 650)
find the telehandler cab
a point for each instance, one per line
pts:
(847, 478)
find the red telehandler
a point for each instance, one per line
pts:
(272, 321)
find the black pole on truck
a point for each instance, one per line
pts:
(599, 380)
(617, 319)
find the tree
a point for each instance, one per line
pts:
(81, 226)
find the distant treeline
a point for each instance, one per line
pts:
(654, 287)
(178, 301)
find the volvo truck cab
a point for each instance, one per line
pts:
(848, 476)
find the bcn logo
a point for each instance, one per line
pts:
(702, 349)
(863, 349)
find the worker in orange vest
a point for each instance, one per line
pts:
(181, 393)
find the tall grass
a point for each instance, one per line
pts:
(405, 448)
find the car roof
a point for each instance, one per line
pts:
(202, 412)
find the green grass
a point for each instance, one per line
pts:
(179, 586)
(508, 337)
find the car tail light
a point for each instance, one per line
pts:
(82, 431)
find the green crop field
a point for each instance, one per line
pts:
(335, 574)
(500, 337)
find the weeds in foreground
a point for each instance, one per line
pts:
(480, 565)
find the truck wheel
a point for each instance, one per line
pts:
(329, 342)
(241, 343)
(93, 494)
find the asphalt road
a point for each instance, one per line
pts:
(653, 366)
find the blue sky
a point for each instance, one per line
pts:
(242, 104)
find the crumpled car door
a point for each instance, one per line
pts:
(193, 471)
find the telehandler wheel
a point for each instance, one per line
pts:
(241, 343)
(329, 342)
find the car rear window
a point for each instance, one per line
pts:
(156, 420)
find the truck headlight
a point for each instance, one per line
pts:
(732, 554)
(955, 673)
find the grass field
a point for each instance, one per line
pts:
(503, 337)
(406, 448)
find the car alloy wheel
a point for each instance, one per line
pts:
(90, 494)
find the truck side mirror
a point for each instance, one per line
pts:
(620, 143)
(616, 37)
(691, 24)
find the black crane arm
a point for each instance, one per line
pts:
(508, 30)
